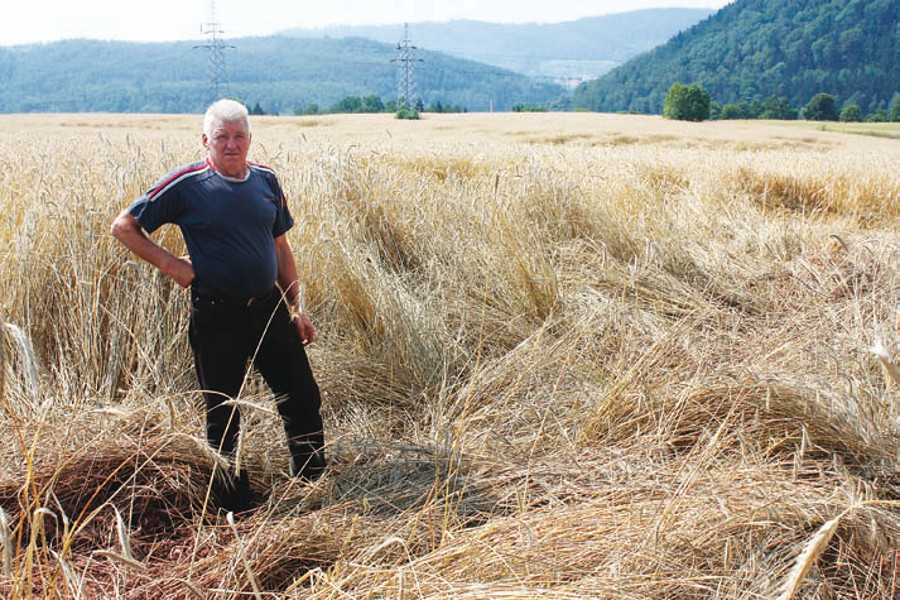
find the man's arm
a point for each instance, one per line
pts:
(128, 230)
(287, 281)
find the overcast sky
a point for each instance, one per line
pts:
(27, 21)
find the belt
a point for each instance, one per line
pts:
(235, 303)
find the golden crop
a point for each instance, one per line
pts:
(563, 356)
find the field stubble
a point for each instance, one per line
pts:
(563, 356)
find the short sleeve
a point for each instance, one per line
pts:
(284, 221)
(158, 206)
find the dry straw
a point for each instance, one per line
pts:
(807, 559)
(27, 362)
(76, 586)
(248, 568)
(561, 356)
(6, 539)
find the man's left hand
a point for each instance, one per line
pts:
(306, 329)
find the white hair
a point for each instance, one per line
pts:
(224, 111)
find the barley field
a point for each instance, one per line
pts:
(562, 356)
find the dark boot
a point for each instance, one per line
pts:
(232, 491)
(307, 457)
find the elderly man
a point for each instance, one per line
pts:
(245, 301)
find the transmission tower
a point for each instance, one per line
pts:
(406, 83)
(215, 52)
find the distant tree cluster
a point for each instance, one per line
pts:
(356, 104)
(692, 103)
(440, 107)
(771, 108)
(374, 104)
(530, 108)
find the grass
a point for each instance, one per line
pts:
(562, 356)
(883, 130)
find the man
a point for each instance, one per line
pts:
(245, 300)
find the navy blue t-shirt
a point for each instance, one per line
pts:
(229, 226)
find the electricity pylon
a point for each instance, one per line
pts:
(406, 83)
(215, 49)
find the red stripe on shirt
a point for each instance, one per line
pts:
(175, 177)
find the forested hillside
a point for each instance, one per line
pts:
(573, 49)
(280, 74)
(756, 49)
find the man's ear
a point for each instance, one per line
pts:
(205, 140)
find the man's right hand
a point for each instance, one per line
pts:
(182, 271)
(128, 230)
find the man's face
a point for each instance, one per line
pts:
(227, 147)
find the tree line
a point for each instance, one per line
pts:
(372, 103)
(692, 102)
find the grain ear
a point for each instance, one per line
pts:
(892, 371)
(807, 559)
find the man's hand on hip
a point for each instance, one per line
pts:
(182, 271)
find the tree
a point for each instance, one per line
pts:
(822, 107)
(687, 103)
(894, 112)
(350, 104)
(851, 113)
(737, 110)
(407, 113)
(778, 108)
(372, 104)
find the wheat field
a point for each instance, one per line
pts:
(562, 356)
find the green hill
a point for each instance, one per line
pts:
(281, 74)
(756, 49)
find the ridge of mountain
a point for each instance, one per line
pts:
(566, 51)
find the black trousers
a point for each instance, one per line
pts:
(225, 337)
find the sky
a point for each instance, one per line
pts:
(30, 21)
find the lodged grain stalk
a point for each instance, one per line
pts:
(13, 336)
(563, 355)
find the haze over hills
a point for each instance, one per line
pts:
(756, 49)
(282, 74)
(573, 50)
